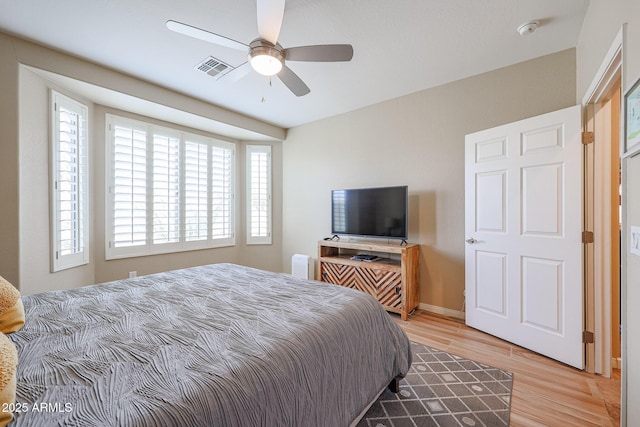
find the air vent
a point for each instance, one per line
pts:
(213, 67)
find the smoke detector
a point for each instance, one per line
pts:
(528, 28)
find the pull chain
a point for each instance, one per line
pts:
(263, 100)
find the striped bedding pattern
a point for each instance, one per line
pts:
(216, 345)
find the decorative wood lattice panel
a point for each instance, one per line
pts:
(379, 283)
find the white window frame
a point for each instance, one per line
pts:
(59, 210)
(260, 196)
(183, 243)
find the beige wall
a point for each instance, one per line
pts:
(9, 238)
(416, 140)
(604, 19)
(24, 193)
(631, 297)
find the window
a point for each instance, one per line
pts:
(258, 194)
(168, 191)
(69, 184)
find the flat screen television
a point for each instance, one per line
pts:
(370, 212)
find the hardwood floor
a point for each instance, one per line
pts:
(545, 392)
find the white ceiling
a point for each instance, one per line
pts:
(401, 46)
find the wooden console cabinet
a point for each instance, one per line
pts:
(392, 279)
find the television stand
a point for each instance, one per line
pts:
(392, 279)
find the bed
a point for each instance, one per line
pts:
(216, 345)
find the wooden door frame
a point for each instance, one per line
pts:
(597, 256)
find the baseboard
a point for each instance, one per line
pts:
(442, 311)
(616, 363)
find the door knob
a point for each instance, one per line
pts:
(471, 240)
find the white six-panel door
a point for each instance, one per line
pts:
(523, 224)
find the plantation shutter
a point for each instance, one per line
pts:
(70, 227)
(196, 194)
(339, 202)
(222, 193)
(129, 187)
(166, 189)
(258, 194)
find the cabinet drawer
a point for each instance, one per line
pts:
(384, 285)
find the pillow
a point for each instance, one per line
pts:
(11, 308)
(8, 363)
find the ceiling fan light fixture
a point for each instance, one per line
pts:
(266, 65)
(266, 60)
(265, 55)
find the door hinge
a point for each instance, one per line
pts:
(587, 337)
(587, 138)
(587, 237)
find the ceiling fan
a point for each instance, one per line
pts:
(266, 55)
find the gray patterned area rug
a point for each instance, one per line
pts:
(444, 390)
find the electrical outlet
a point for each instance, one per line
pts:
(133, 274)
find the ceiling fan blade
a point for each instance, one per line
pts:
(237, 73)
(207, 36)
(270, 14)
(320, 53)
(293, 82)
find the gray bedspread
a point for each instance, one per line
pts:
(217, 345)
